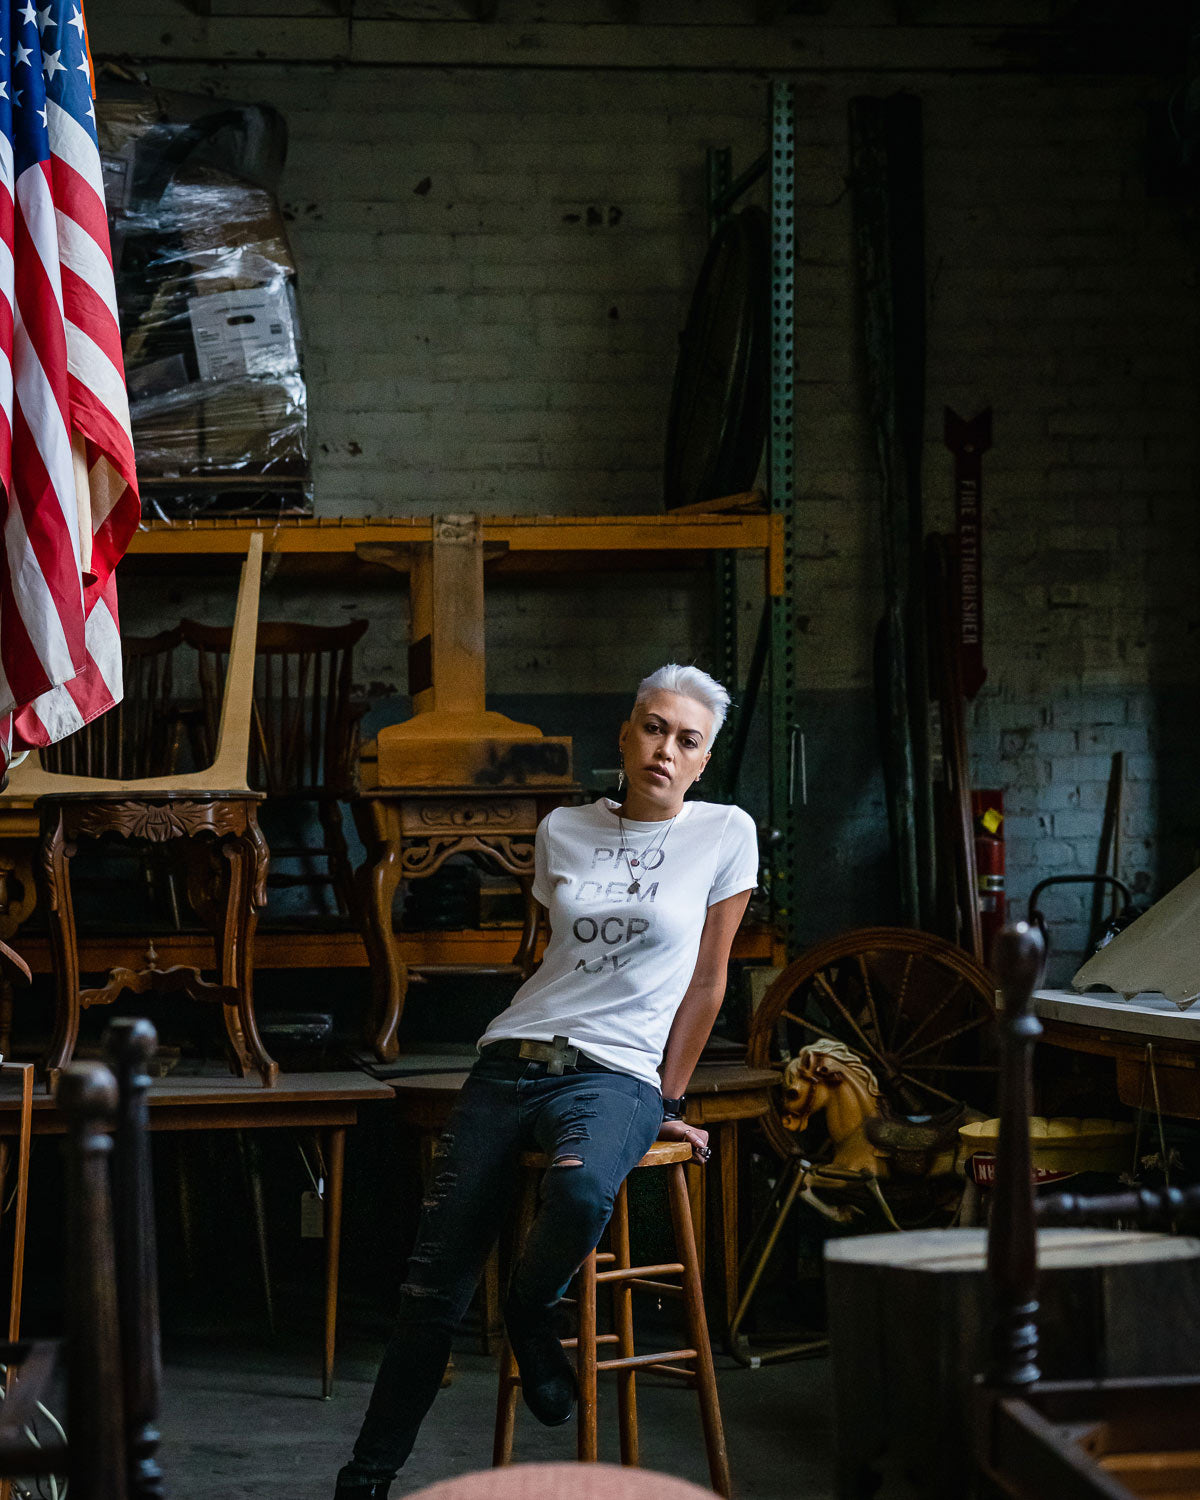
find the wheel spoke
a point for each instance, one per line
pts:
(787, 1015)
(908, 963)
(947, 1037)
(936, 1011)
(866, 979)
(929, 1088)
(954, 1067)
(850, 1021)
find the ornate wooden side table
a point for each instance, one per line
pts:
(410, 832)
(228, 898)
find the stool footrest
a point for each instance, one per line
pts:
(628, 1273)
(663, 1288)
(640, 1361)
(601, 1338)
(685, 1377)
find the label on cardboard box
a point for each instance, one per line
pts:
(243, 333)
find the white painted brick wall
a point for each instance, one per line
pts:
(504, 341)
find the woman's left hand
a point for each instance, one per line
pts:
(680, 1130)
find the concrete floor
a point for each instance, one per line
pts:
(241, 1421)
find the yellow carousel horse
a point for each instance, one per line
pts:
(870, 1142)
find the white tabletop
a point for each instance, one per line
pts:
(1148, 1014)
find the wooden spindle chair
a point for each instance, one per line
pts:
(140, 736)
(304, 741)
(111, 1349)
(1089, 1440)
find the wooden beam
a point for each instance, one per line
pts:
(173, 31)
(454, 951)
(321, 535)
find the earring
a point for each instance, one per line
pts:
(620, 771)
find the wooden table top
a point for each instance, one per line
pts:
(219, 1101)
(1148, 1017)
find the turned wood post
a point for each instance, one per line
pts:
(87, 1097)
(1017, 959)
(129, 1044)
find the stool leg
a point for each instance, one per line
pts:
(489, 1312)
(506, 1408)
(623, 1321)
(585, 1353)
(693, 1301)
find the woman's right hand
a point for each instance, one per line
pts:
(680, 1130)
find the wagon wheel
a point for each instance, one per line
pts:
(918, 1010)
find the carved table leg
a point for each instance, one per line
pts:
(378, 826)
(247, 858)
(64, 948)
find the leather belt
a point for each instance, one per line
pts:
(558, 1054)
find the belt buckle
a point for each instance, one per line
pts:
(556, 1054)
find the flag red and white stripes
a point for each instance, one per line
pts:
(66, 453)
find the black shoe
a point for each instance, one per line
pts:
(349, 1489)
(547, 1375)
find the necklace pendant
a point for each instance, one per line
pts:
(634, 888)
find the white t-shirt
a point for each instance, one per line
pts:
(619, 960)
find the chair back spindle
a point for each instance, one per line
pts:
(130, 1043)
(1017, 959)
(136, 738)
(87, 1097)
(305, 723)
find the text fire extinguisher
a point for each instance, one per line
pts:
(987, 813)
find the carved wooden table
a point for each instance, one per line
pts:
(227, 822)
(410, 832)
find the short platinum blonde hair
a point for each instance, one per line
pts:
(688, 682)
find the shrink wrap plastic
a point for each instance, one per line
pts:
(207, 300)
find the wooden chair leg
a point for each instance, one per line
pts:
(693, 1301)
(585, 1353)
(623, 1323)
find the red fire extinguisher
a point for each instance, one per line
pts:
(987, 811)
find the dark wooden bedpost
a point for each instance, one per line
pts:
(129, 1044)
(87, 1097)
(1017, 960)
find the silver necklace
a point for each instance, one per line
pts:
(638, 861)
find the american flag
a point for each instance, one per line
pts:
(70, 501)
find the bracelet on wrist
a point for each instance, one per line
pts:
(673, 1108)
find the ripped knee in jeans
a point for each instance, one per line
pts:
(567, 1159)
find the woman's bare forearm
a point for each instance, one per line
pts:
(694, 1019)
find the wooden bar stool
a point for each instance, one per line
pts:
(692, 1366)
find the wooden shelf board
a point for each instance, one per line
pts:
(535, 534)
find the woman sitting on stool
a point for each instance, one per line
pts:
(644, 897)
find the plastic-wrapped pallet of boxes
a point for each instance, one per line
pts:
(206, 289)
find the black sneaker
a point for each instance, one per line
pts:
(349, 1488)
(547, 1375)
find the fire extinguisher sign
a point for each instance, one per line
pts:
(968, 442)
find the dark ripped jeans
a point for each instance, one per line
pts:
(604, 1120)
